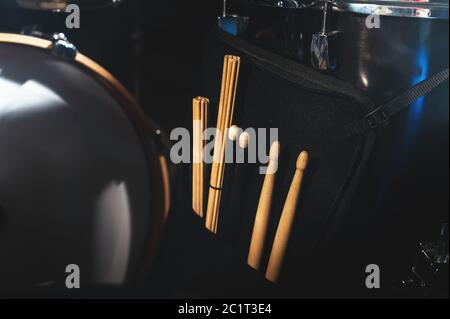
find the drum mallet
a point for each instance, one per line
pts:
(287, 219)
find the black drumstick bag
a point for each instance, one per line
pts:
(333, 232)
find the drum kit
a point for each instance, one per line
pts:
(77, 145)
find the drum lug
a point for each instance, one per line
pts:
(62, 48)
(158, 143)
(321, 58)
(231, 23)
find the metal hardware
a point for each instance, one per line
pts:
(433, 9)
(320, 45)
(232, 23)
(157, 142)
(62, 48)
(377, 118)
(224, 9)
(33, 30)
(429, 266)
(442, 252)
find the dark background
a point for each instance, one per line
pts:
(153, 47)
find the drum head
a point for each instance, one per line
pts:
(58, 5)
(75, 180)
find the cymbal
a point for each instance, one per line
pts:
(58, 5)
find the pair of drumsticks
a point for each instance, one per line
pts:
(287, 216)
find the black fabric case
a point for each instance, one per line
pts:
(311, 111)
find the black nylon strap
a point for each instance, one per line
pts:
(384, 113)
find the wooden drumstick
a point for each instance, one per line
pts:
(200, 117)
(224, 119)
(287, 218)
(204, 127)
(195, 146)
(263, 211)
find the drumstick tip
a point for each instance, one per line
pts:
(302, 161)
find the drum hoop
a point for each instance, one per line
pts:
(80, 58)
(128, 102)
(407, 9)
